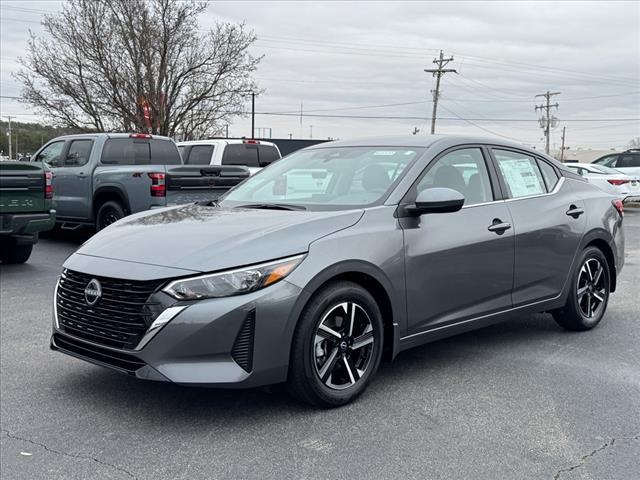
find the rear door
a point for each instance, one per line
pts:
(73, 180)
(549, 221)
(458, 265)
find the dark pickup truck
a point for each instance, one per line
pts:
(100, 178)
(25, 208)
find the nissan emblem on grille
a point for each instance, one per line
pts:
(92, 292)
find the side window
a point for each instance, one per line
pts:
(520, 173)
(608, 161)
(78, 154)
(629, 160)
(199, 155)
(549, 175)
(267, 154)
(463, 170)
(240, 154)
(51, 154)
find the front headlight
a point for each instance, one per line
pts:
(232, 282)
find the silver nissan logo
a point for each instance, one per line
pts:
(92, 292)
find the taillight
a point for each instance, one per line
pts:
(158, 185)
(618, 182)
(140, 135)
(619, 206)
(48, 185)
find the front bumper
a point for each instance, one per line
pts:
(239, 341)
(26, 223)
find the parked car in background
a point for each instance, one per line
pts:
(100, 178)
(627, 162)
(411, 239)
(25, 208)
(609, 179)
(253, 154)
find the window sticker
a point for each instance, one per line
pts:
(521, 176)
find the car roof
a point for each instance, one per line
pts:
(439, 141)
(107, 135)
(229, 141)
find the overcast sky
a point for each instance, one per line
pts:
(338, 58)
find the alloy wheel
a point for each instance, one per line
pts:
(109, 217)
(343, 345)
(592, 290)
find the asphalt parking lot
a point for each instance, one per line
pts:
(518, 400)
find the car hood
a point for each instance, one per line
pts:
(205, 239)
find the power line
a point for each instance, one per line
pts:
(441, 62)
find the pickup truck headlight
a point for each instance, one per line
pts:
(232, 282)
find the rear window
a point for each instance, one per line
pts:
(135, 151)
(199, 155)
(629, 160)
(267, 154)
(241, 154)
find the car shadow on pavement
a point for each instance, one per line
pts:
(207, 407)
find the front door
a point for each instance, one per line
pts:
(459, 265)
(72, 189)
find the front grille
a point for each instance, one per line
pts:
(242, 351)
(95, 354)
(119, 319)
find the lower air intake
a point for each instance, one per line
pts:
(242, 351)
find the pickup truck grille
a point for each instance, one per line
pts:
(120, 317)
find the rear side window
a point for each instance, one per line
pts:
(199, 155)
(520, 173)
(548, 174)
(241, 154)
(267, 154)
(608, 161)
(629, 160)
(134, 151)
(78, 154)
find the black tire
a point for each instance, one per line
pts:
(109, 212)
(355, 364)
(589, 294)
(13, 253)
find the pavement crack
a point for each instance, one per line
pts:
(71, 455)
(584, 458)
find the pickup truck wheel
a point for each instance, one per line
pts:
(12, 253)
(109, 212)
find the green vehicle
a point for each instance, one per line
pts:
(26, 208)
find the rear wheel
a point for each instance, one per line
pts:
(337, 347)
(11, 252)
(109, 212)
(589, 293)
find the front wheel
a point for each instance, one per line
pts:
(337, 347)
(589, 295)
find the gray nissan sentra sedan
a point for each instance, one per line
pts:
(336, 256)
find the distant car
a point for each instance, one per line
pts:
(609, 179)
(627, 162)
(253, 154)
(100, 178)
(403, 241)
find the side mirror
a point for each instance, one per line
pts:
(437, 200)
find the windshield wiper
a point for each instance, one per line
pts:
(272, 206)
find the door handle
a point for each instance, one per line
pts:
(498, 226)
(81, 175)
(574, 211)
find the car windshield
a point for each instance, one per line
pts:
(326, 178)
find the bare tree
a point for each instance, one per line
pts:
(138, 65)
(634, 143)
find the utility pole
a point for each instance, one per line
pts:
(564, 129)
(253, 113)
(547, 115)
(441, 62)
(290, 136)
(311, 131)
(9, 135)
(227, 131)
